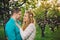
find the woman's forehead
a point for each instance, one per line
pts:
(26, 14)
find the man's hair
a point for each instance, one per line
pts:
(16, 10)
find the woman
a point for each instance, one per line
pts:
(28, 30)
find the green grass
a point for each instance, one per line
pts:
(2, 33)
(49, 35)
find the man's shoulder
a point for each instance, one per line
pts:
(10, 23)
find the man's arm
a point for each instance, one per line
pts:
(10, 32)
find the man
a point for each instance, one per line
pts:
(11, 29)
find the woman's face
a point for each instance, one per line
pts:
(26, 18)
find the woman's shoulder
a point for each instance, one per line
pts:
(32, 24)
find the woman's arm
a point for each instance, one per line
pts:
(32, 36)
(27, 32)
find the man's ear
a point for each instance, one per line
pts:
(15, 14)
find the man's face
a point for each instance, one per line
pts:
(18, 15)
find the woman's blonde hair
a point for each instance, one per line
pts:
(31, 19)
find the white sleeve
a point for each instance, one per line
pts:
(27, 32)
(32, 36)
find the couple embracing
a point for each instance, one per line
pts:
(13, 28)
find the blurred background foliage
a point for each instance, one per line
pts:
(42, 9)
